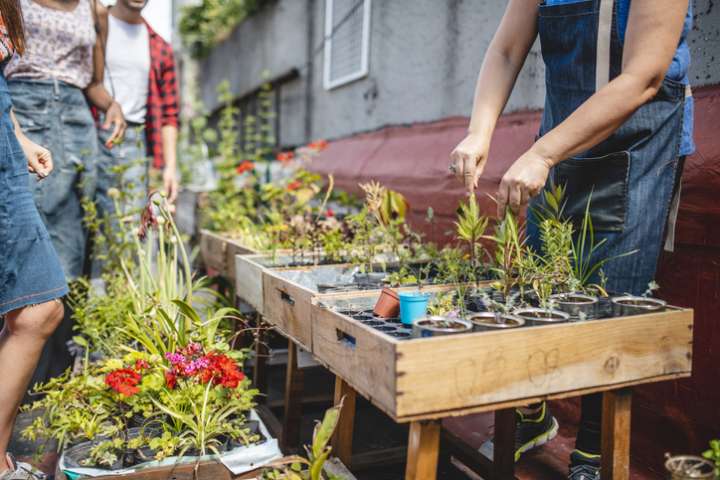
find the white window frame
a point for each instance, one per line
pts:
(364, 55)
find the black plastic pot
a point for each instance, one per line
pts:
(492, 321)
(541, 316)
(632, 305)
(435, 326)
(577, 305)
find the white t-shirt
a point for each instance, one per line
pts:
(127, 72)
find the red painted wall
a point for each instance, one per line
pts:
(677, 416)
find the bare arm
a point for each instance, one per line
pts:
(39, 158)
(653, 31)
(169, 142)
(96, 92)
(502, 63)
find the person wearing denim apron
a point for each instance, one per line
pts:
(31, 278)
(612, 132)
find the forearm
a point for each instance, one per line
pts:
(98, 96)
(596, 119)
(169, 143)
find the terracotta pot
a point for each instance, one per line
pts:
(388, 305)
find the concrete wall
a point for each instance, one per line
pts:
(424, 59)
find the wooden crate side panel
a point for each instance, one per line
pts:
(249, 281)
(233, 249)
(466, 371)
(287, 306)
(213, 251)
(358, 354)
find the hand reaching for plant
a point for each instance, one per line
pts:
(523, 180)
(468, 159)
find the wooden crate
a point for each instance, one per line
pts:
(433, 378)
(218, 253)
(208, 470)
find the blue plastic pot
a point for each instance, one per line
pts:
(413, 305)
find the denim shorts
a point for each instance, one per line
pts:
(30, 272)
(56, 115)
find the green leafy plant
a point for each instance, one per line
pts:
(713, 453)
(311, 468)
(470, 227)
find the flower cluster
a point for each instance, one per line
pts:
(124, 381)
(192, 362)
(318, 145)
(244, 166)
(285, 157)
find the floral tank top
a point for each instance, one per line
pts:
(58, 44)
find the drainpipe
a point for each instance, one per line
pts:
(310, 64)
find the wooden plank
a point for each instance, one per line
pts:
(494, 367)
(504, 443)
(249, 281)
(357, 354)
(342, 441)
(616, 434)
(213, 251)
(423, 449)
(294, 383)
(288, 307)
(260, 368)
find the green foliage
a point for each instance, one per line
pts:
(713, 453)
(208, 23)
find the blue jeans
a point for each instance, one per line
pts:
(56, 116)
(125, 167)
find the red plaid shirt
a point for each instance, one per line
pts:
(162, 103)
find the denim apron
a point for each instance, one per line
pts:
(629, 177)
(30, 271)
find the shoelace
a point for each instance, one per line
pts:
(584, 472)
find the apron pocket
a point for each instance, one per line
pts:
(601, 180)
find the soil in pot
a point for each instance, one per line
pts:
(388, 304)
(372, 323)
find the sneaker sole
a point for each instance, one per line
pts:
(538, 441)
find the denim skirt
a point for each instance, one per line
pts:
(30, 271)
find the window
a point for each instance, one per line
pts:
(347, 41)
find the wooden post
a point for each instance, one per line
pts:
(423, 449)
(293, 400)
(616, 434)
(504, 445)
(260, 376)
(342, 442)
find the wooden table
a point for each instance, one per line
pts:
(422, 381)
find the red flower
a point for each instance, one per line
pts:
(147, 219)
(245, 166)
(124, 381)
(285, 157)
(318, 145)
(330, 213)
(294, 185)
(141, 365)
(170, 380)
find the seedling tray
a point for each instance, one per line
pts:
(431, 378)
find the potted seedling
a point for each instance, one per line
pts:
(636, 305)
(690, 467)
(490, 321)
(435, 326)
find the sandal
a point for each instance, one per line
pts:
(21, 471)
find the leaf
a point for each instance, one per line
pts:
(325, 429)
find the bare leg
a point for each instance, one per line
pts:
(21, 342)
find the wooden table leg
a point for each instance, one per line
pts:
(423, 450)
(260, 372)
(504, 445)
(293, 400)
(342, 442)
(616, 434)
